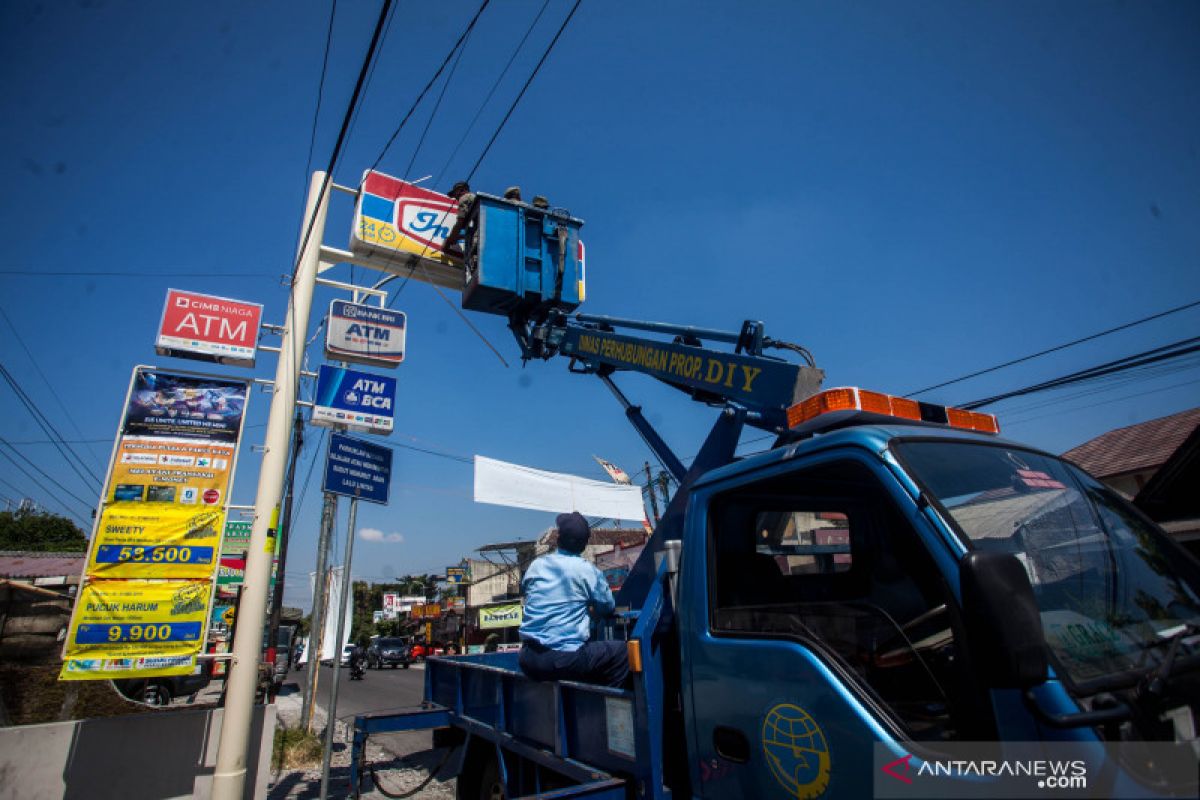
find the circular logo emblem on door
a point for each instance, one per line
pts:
(796, 751)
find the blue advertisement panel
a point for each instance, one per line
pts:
(358, 401)
(355, 468)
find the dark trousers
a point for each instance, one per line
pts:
(605, 663)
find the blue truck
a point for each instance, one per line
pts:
(888, 593)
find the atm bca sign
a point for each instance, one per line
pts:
(209, 328)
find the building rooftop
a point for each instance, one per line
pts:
(31, 564)
(1147, 445)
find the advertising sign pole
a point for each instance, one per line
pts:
(230, 773)
(331, 716)
(316, 627)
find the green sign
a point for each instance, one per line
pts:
(237, 537)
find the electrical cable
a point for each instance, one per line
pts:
(436, 105)
(130, 274)
(1166, 352)
(376, 36)
(46, 381)
(1027, 420)
(471, 126)
(49, 429)
(1056, 348)
(38, 483)
(524, 88)
(412, 109)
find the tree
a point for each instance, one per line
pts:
(40, 531)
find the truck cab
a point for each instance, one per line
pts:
(832, 601)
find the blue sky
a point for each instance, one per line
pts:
(912, 191)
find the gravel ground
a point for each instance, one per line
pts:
(398, 774)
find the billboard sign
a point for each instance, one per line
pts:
(237, 537)
(209, 328)
(185, 406)
(505, 616)
(135, 628)
(155, 540)
(395, 216)
(391, 605)
(365, 334)
(231, 571)
(358, 401)
(456, 575)
(155, 548)
(154, 469)
(355, 468)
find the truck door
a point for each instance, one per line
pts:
(825, 626)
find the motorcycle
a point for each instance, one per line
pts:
(357, 670)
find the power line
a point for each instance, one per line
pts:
(38, 484)
(445, 166)
(1158, 354)
(376, 35)
(436, 105)
(1056, 348)
(1027, 420)
(412, 109)
(492, 91)
(45, 380)
(49, 429)
(312, 139)
(521, 94)
(130, 274)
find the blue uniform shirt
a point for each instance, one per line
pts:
(558, 588)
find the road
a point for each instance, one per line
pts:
(381, 690)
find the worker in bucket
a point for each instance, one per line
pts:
(462, 194)
(561, 589)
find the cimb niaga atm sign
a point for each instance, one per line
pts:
(209, 328)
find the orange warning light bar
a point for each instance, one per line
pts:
(855, 399)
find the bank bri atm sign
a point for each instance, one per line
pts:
(357, 401)
(365, 334)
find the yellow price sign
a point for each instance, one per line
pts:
(156, 540)
(136, 627)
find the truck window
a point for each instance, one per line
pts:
(824, 557)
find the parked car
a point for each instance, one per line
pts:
(161, 690)
(389, 651)
(281, 654)
(347, 651)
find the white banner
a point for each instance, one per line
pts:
(328, 647)
(504, 484)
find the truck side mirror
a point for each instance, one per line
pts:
(1004, 627)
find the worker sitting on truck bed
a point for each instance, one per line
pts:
(559, 589)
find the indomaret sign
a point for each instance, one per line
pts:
(209, 328)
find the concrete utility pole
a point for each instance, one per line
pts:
(241, 683)
(347, 597)
(316, 628)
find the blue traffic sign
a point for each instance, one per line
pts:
(355, 468)
(358, 401)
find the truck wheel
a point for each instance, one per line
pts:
(490, 787)
(480, 776)
(405, 665)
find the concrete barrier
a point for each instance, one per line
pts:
(167, 754)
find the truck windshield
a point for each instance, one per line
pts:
(1112, 591)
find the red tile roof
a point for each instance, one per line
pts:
(27, 564)
(620, 537)
(1147, 445)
